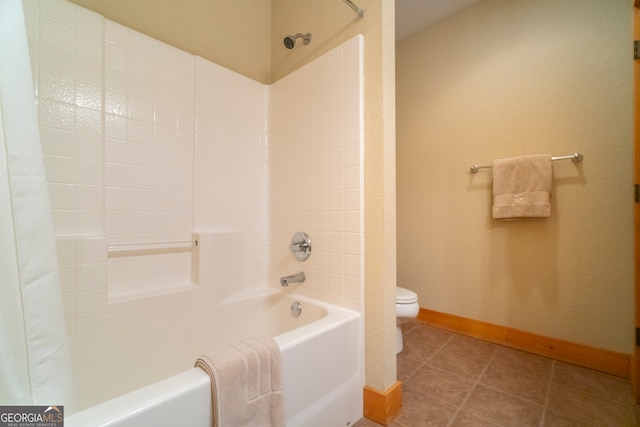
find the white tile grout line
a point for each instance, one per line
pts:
(470, 392)
(440, 349)
(545, 404)
(422, 364)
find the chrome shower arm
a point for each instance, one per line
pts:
(290, 41)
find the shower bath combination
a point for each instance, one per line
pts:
(290, 41)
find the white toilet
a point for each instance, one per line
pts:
(407, 307)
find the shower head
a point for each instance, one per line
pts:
(290, 41)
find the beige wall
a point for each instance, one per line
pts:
(504, 78)
(234, 34)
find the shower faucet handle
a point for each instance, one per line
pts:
(300, 246)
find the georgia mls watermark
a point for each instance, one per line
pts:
(31, 416)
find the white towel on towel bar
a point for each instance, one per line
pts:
(522, 186)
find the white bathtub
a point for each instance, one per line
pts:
(322, 357)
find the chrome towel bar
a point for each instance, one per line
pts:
(575, 157)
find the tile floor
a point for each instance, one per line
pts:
(454, 380)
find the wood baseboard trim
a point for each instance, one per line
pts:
(618, 364)
(383, 407)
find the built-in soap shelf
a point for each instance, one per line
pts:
(132, 249)
(141, 270)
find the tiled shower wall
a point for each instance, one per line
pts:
(144, 142)
(134, 156)
(317, 157)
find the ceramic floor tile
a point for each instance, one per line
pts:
(406, 367)
(576, 379)
(368, 423)
(556, 419)
(635, 409)
(409, 324)
(517, 382)
(502, 408)
(421, 409)
(364, 422)
(523, 361)
(587, 408)
(430, 335)
(456, 381)
(418, 349)
(461, 363)
(466, 419)
(472, 347)
(439, 384)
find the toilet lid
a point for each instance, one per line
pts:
(405, 296)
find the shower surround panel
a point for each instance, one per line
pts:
(316, 117)
(128, 166)
(144, 142)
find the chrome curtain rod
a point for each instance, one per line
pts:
(355, 8)
(575, 157)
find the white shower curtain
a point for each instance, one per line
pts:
(35, 365)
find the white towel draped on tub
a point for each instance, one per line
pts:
(246, 384)
(522, 186)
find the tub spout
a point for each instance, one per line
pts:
(294, 278)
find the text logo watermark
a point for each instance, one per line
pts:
(31, 416)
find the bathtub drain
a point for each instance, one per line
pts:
(296, 309)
